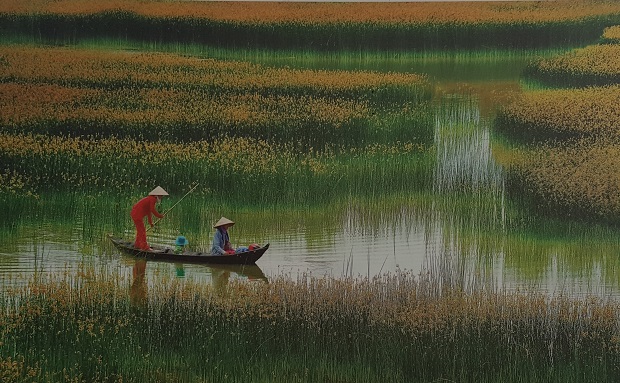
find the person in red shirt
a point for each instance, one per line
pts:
(146, 208)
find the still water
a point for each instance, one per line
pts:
(467, 228)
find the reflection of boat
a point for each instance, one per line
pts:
(165, 254)
(252, 272)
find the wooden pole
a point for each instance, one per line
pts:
(168, 211)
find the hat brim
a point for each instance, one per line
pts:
(158, 191)
(223, 222)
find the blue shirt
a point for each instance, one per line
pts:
(219, 242)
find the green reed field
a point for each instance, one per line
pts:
(399, 328)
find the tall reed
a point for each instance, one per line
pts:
(578, 178)
(396, 327)
(253, 171)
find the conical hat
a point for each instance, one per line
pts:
(223, 221)
(158, 191)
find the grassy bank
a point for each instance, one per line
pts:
(397, 327)
(562, 114)
(611, 35)
(576, 179)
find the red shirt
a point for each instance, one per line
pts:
(144, 208)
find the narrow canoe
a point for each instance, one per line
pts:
(166, 254)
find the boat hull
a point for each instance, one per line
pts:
(165, 254)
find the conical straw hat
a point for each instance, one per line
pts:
(223, 221)
(158, 191)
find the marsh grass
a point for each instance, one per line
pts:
(574, 179)
(397, 26)
(79, 119)
(398, 327)
(593, 65)
(156, 96)
(231, 169)
(561, 114)
(611, 35)
(568, 162)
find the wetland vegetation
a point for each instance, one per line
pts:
(88, 327)
(347, 134)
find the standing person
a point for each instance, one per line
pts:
(221, 240)
(146, 208)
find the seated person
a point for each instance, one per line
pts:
(180, 244)
(221, 240)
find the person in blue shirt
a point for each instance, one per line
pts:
(221, 239)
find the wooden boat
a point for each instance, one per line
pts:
(166, 254)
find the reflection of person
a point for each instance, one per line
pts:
(180, 270)
(221, 239)
(220, 279)
(137, 293)
(146, 208)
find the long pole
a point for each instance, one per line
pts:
(172, 207)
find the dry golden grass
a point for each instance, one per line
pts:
(92, 68)
(582, 177)
(612, 34)
(594, 64)
(164, 113)
(295, 12)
